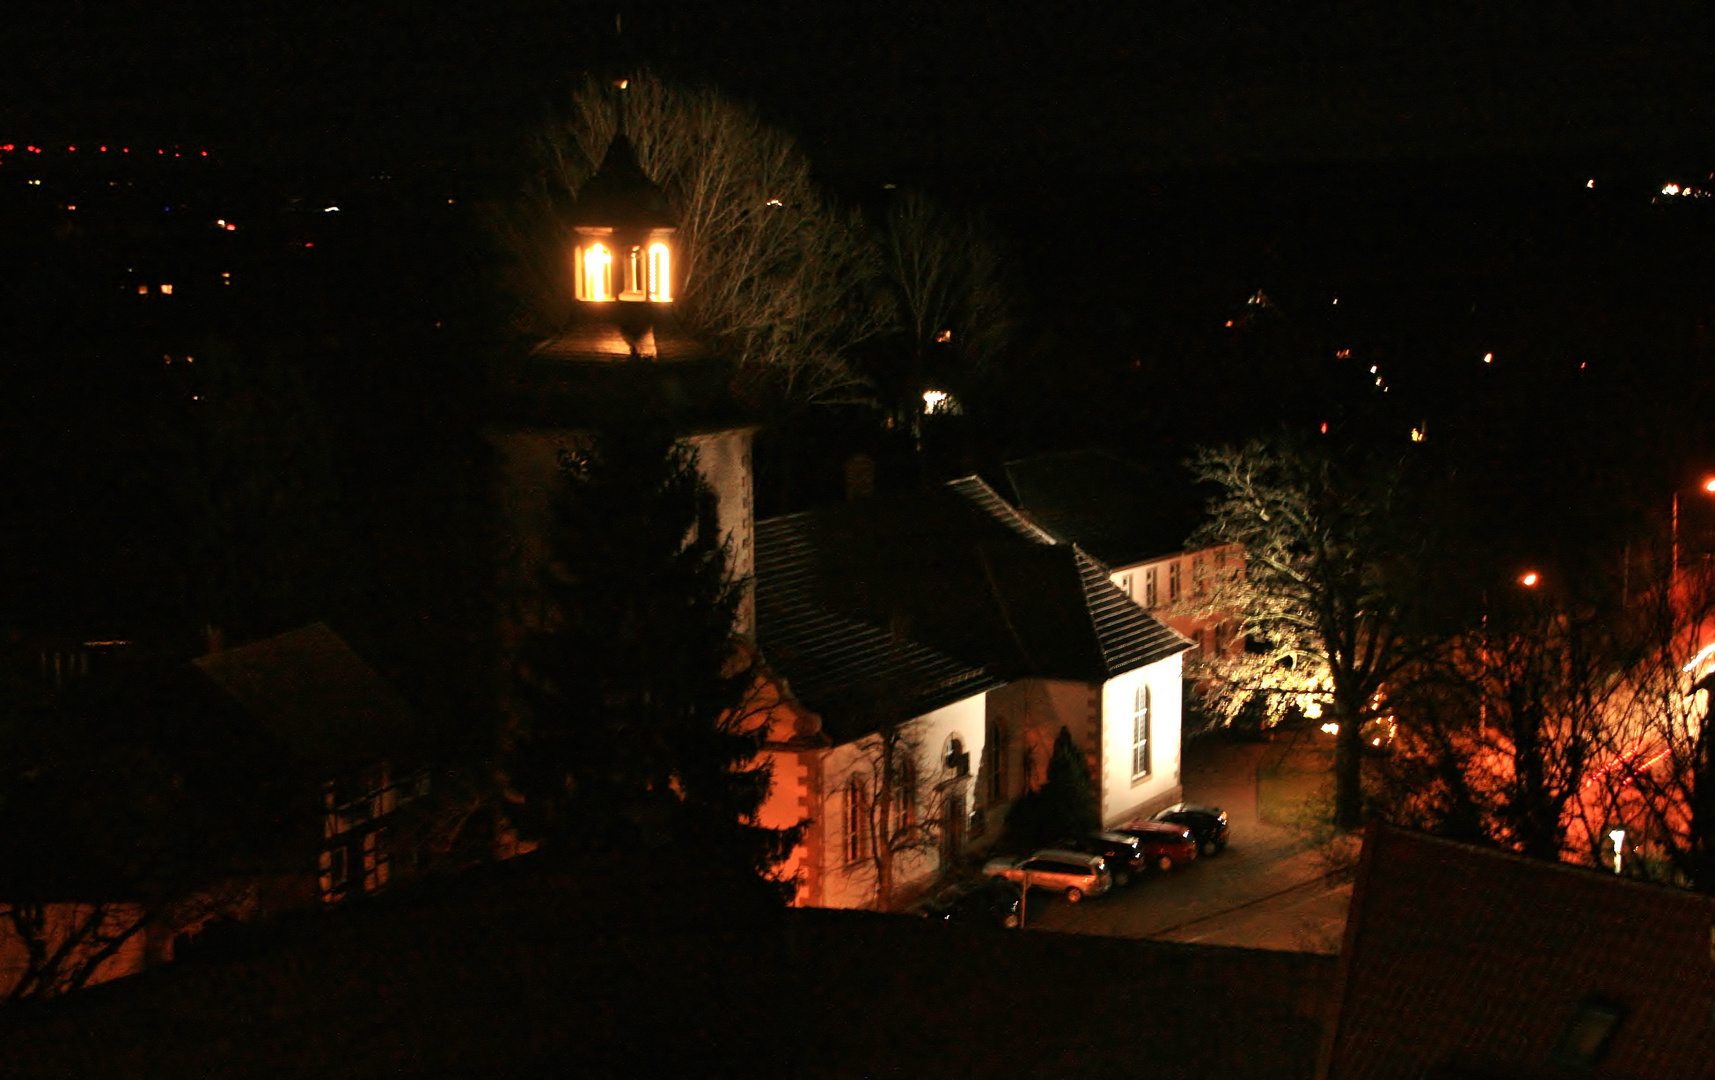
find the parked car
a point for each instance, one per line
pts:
(1124, 854)
(1166, 844)
(1073, 874)
(1208, 824)
(986, 901)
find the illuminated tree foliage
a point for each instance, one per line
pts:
(1494, 738)
(1657, 781)
(634, 728)
(1324, 540)
(773, 275)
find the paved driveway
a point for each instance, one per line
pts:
(1273, 887)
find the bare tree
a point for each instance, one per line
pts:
(777, 278)
(1321, 543)
(1658, 784)
(1498, 733)
(894, 818)
(951, 307)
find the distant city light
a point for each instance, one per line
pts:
(1590, 183)
(330, 209)
(943, 337)
(939, 401)
(1670, 189)
(1324, 427)
(1330, 728)
(1488, 358)
(1418, 435)
(166, 290)
(1618, 836)
(1529, 580)
(775, 202)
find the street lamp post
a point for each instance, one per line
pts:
(1708, 486)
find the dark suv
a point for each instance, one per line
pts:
(983, 902)
(1125, 856)
(1208, 824)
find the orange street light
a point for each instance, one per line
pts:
(1708, 487)
(1529, 580)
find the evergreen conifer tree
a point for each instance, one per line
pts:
(633, 727)
(1064, 806)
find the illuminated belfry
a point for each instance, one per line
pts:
(622, 267)
(621, 357)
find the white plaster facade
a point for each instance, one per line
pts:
(1127, 793)
(848, 882)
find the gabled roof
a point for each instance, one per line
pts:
(854, 674)
(889, 590)
(1116, 510)
(311, 691)
(1467, 962)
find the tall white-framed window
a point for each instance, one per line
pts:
(1149, 588)
(1173, 580)
(856, 820)
(1140, 755)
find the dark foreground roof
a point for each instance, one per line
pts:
(1466, 962)
(531, 969)
(313, 693)
(906, 603)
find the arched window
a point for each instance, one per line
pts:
(660, 273)
(905, 793)
(1140, 759)
(595, 273)
(856, 820)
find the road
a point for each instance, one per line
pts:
(1272, 888)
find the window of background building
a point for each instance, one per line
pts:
(1149, 587)
(1173, 580)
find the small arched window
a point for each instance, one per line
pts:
(660, 273)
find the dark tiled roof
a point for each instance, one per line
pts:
(854, 674)
(310, 690)
(1461, 961)
(931, 584)
(1130, 637)
(1117, 511)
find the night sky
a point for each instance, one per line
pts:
(907, 88)
(1148, 168)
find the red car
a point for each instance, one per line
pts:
(1166, 845)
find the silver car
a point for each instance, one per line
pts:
(1070, 873)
